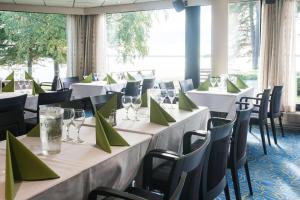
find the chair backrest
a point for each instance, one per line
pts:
(54, 97)
(275, 103)
(177, 192)
(239, 136)
(186, 85)
(12, 116)
(167, 85)
(264, 105)
(132, 88)
(68, 81)
(148, 84)
(214, 170)
(98, 101)
(56, 84)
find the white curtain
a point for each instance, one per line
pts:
(278, 50)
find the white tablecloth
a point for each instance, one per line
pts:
(81, 90)
(219, 101)
(81, 167)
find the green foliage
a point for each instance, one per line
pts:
(30, 36)
(298, 86)
(128, 34)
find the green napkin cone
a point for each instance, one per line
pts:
(28, 76)
(22, 165)
(10, 77)
(231, 87)
(240, 83)
(10, 87)
(130, 77)
(35, 132)
(36, 89)
(158, 115)
(185, 103)
(205, 85)
(110, 105)
(106, 135)
(109, 79)
(88, 79)
(144, 100)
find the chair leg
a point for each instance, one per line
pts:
(226, 191)
(273, 129)
(235, 179)
(261, 128)
(248, 178)
(250, 128)
(281, 126)
(268, 135)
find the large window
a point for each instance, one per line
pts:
(154, 40)
(33, 42)
(297, 24)
(244, 25)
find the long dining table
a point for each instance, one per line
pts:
(83, 167)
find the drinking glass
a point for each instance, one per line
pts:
(136, 104)
(164, 94)
(79, 117)
(126, 102)
(68, 119)
(21, 84)
(213, 81)
(27, 84)
(171, 95)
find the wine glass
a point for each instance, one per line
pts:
(126, 102)
(136, 104)
(171, 95)
(213, 81)
(27, 84)
(68, 119)
(79, 117)
(21, 83)
(163, 94)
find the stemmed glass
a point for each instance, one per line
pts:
(68, 119)
(136, 104)
(172, 95)
(164, 95)
(126, 102)
(213, 81)
(27, 84)
(79, 117)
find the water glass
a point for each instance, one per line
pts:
(172, 96)
(126, 102)
(51, 119)
(164, 94)
(213, 81)
(136, 104)
(79, 117)
(68, 120)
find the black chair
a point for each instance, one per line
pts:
(106, 192)
(275, 110)
(148, 84)
(46, 99)
(98, 101)
(238, 154)
(214, 179)
(166, 85)
(68, 81)
(260, 117)
(186, 85)
(55, 85)
(132, 88)
(12, 116)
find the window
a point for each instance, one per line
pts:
(244, 33)
(32, 42)
(297, 51)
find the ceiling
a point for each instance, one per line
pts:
(74, 3)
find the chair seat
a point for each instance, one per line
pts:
(144, 193)
(30, 123)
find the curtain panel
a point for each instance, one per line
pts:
(82, 32)
(278, 50)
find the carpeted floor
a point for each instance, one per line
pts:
(274, 176)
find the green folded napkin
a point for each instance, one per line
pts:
(231, 87)
(109, 79)
(130, 77)
(185, 103)
(35, 132)
(22, 165)
(205, 85)
(106, 135)
(240, 83)
(36, 88)
(10, 87)
(144, 100)
(10, 77)
(110, 105)
(158, 115)
(88, 79)
(28, 76)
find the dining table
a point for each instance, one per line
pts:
(218, 100)
(95, 88)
